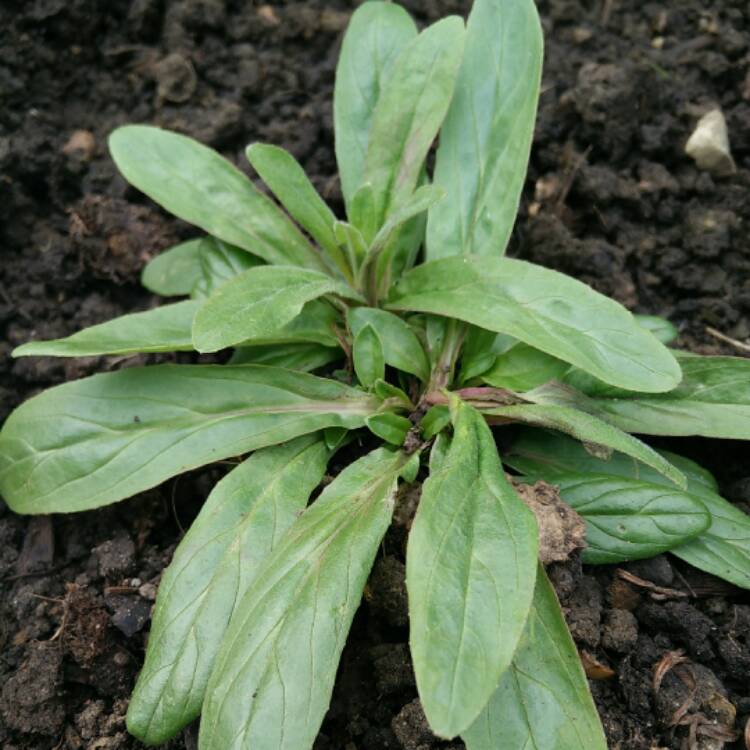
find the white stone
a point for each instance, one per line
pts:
(709, 144)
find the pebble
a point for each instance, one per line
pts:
(709, 145)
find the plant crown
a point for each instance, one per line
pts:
(427, 335)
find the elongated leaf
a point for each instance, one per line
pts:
(409, 113)
(589, 429)
(391, 427)
(486, 138)
(196, 184)
(175, 271)
(289, 183)
(315, 324)
(101, 439)
(257, 304)
(220, 262)
(470, 568)
(304, 357)
(243, 519)
(272, 681)
(522, 368)
(629, 519)
(417, 203)
(362, 210)
(367, 354)
(543, 700)
(545, 309)
(401, 347)
(723, 549)
(712, 400)
(377, 32)
(163, 329)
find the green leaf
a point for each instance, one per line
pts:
(377, 32)
(486, 138)
(415, 204)
(196, 184)
(163, 329)
(175, 271)
(409, 113)
(522, 368)
(435, 421)
(257, 304)
(220, 262)
(390, 427)
(120, 433)
(480, 350)
(712, 400)
(411, 469)
(589, 429)
(401, 347)
(273, 678)
(723, 549)
(629, 519)
(545, 309)
(362, 211)
(351, 239)
(367, 353)
(543, 700)
(289, 183)
(439, 451)
(660, 327)
(304, 357)
(470, 568)
(243, 519)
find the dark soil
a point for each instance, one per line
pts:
(611, 198)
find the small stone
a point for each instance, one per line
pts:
(116, 556)
(81, 144)
(148, 591)
(709, 145)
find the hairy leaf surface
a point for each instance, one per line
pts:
(257, 304)
(163, 329)
(175, 271)
(543, 700)
(409, 113)
(471, 563)
(243, 519)
(120, 433)
(401, 347)
(367, 355)
(712, 400)
(377, 32)
(302, 356)
(486, 138)
(273, 678)
(198, 185)
(589, 429)
(545, 309)
(522, 368)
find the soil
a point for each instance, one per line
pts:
(611, 198)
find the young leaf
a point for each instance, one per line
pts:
(723, 549)
(629, 519)
(486, 138)
(243, 519)
(377, 32)
(401, 347)
(660, 327)
(257, 303)
(289, 183)
(435, 421)
(175, 271)
(390, 427)
(120, 433)
(589, 429)
(220, 262)
(409, 113)
(351, 239)
(545, 309)
(480, 350)
(163, 329)
(470, 568)
(543, 700)
(304, 357)
(417, 203)
(712, 400)
(362, 210)
(196, 184)
(272, 681)
(367, 353)
(522, 368)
